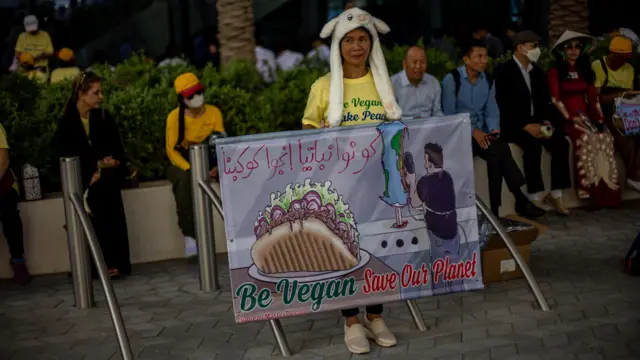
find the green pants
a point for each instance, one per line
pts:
(181, 181)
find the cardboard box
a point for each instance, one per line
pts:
(497, 263)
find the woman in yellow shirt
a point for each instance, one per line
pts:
(354, 94)
(192, 122)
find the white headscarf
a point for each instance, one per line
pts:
(347, 21)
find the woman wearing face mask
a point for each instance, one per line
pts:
(355, 43)
(193, 122)
(571, 83)
(90, 133)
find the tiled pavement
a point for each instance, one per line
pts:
(596, 312)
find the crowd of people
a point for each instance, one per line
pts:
(516, 104)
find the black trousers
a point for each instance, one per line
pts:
(109, 221)
(531, 147)
(11, 223)
(181, 182)
(500, 164)
(372, 309)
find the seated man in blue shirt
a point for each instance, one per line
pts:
(469, 89)
(417, 93)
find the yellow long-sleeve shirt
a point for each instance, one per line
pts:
(196, 130)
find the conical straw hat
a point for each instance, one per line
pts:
(569, 35)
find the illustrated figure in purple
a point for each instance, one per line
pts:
(435, 194)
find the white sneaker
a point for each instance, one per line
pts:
(190, 247)
(379, 332)
(635, 185)
(356, 339)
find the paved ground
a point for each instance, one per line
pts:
(596, 312)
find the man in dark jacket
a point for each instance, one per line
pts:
(523, 97)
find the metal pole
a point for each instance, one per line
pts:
(515, 254)
(281, 339)
(112, 300)
(414, 309)
(199, 158)
(215, 199)
(276, 326)
(78, 253)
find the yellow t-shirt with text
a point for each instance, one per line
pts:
(62, 74)
(5, 145)
(362, 104)
(621, 78)
(196, 130)
(35, 45)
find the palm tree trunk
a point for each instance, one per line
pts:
(235, 23)
(567, 15)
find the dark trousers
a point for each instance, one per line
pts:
(181, 181)
(109, 221)
(500, 164)
(531, 147)
(11, 223)
(371, 309)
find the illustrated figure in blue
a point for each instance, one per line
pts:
(395, 189)
(435, 193)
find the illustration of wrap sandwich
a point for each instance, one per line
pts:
(308, 228)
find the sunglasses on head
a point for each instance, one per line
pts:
(577, 46)
(199, 92)
(79, 84)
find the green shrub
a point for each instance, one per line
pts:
(140, 95)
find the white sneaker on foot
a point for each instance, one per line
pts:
(635, 185)
(190, 247)
(356, 339)
(379, 332)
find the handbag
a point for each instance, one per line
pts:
(626, 118)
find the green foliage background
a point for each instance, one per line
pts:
(140, 95)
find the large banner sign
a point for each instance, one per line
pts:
(339, 218)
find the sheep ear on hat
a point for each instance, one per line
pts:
(328, 28)
(380, 25)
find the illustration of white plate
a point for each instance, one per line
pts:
(308, 276)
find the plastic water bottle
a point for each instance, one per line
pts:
(587, 123)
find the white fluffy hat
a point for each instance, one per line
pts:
(347, 21)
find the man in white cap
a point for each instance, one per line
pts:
(35, 42)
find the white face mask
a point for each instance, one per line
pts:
(534, 54)
(196, 102)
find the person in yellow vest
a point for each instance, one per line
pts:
(192, 122)
(67, 69)
(35, 42)
(27, 67)
(614, 77)
(358, 71)
(9, 214)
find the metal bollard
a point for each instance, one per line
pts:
(203, 215)
(515, 254)
(78, 251)
(101, 266)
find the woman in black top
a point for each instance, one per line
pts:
(90, 133)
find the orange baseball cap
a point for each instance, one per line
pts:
(65, 54)
(187, 84)
(621, 45)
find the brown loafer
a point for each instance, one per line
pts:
(556, 204)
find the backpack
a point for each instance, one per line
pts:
(632, 260)
(456, 77)
(606, 72)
